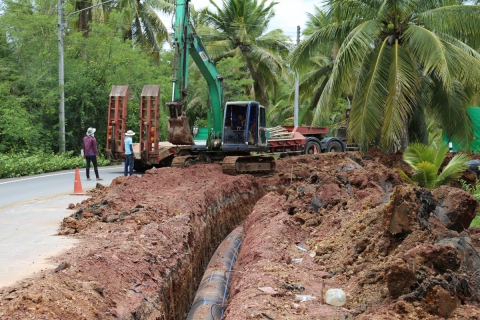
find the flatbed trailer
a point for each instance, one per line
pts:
(165, 153)
(149, 152)
(292, 140)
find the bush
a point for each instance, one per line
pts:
(17, 165)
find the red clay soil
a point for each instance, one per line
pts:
(338, 220)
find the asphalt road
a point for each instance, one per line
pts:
(15, 191)
(31, 210)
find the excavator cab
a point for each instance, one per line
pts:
(245, 126)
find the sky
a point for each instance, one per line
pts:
(288, 14)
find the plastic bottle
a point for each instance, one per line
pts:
(335, 297)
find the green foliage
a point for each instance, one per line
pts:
(236, 79)
(476, 221)
(21, 164)
(475, 192)
(105, 61)
(239, 28)
(426, 162)
(29, 92)
(29, 78)
(397, 59)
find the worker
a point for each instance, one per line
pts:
(90, 152)
(241, 122)
(129, 156)
(474, 165)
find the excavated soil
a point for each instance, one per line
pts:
(339, 220)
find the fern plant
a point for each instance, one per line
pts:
(426, 162)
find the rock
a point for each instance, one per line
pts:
(400, 277)
(268, 290)
(70, 222)
(328, 194)
(359, 180)
(35, 298)
(456, 208)
(10, 296)
(439, 258)
(441, 302)
(316, 203)
(61, 266)
(74, 224)
(87, 214)
(401, 212)
(471, 260)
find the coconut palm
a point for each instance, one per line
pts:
(142, 21)
(145, 27)
(239, 28)
(403, 57)
(426, 162)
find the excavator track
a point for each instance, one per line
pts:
(190, 160)
(228, 165)
(248, 164)
(182, 161)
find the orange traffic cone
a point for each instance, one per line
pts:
(314, 149)
(77, 187)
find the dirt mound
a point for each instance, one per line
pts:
(146, 241)
(338, 220)
(351, 223)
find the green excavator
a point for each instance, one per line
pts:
(237, 129)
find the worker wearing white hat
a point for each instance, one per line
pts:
(129, 156)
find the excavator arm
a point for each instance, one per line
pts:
(188, 44)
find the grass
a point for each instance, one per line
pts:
(18, 164)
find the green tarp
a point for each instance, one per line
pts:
(474, 113)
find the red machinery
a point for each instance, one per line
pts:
(149, 123)
(117, 121)
(150, 151)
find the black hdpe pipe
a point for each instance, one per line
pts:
(210, 299)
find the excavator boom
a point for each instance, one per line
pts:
(226, 139)
(188, 44)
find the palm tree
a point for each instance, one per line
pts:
(142, 22)
(145, 26)
(238, 28)
(403, 57)
(426, 162)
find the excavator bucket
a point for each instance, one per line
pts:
(178, 128)
(179, 131)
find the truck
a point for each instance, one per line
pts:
(241, 147)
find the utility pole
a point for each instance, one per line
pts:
(61, 80)
(295, 108)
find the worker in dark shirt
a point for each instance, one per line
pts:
(241, 122)
(90, 152)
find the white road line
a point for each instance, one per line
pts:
(57, 174)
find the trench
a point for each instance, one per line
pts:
(174, 299)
